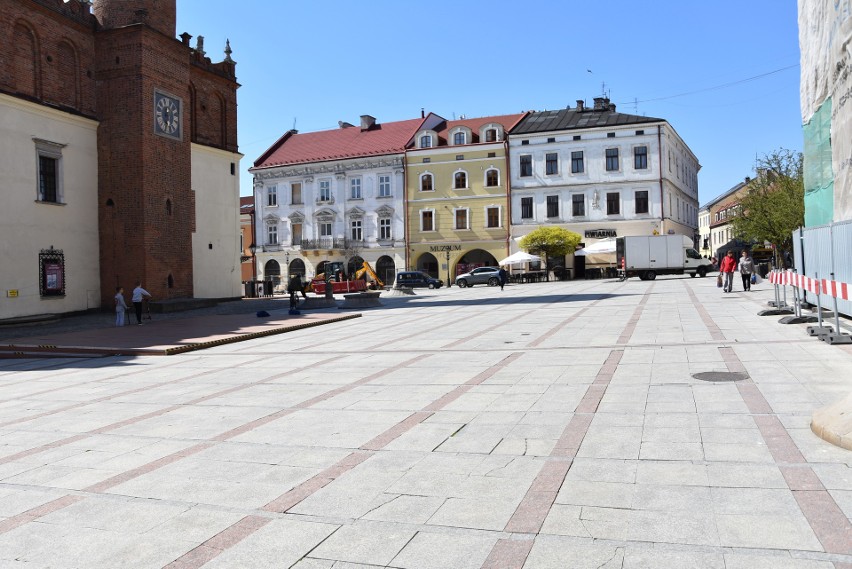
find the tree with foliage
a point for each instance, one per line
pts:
(550, 241)
(774, 206)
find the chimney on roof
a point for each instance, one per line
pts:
(422, 113)
(611, 107)
(601, 103)
(367, 122)
(343, 124)
(747, 179)
(580, 105)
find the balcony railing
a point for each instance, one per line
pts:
(325, 201)
(323, 243)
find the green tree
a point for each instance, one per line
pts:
(775, 203)
(550, 241)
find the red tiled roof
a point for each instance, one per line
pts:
(246, 201)
(337, 144)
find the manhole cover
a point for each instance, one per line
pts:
(717, 376)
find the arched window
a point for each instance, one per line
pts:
(426, 141)
(460, 180)
(491, 135)
(492, 178)
(459, 138)
(426, 183)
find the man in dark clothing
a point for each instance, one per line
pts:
(504, 277)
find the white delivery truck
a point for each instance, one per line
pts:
(647, 256)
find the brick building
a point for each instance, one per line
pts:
(118, 157)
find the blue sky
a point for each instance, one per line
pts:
(725, 73)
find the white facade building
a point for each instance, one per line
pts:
(601, 174)
(332, 196)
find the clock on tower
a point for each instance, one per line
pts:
(167, 115)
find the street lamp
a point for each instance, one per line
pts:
(449, 282)
(253, 250)
(287, 265)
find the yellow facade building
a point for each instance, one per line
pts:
(457, 206)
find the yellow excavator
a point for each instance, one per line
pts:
(367, 269)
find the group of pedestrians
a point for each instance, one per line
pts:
(139, 294)
(729, 266)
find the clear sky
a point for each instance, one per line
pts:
(725, 74)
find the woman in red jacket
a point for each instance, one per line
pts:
(727, 268)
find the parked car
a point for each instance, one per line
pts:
(415, 279)
(480, 275)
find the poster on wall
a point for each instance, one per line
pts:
(53, 278)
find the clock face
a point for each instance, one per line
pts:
(167, 116)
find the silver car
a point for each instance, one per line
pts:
(480, 275)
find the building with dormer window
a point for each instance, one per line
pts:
(601, 173)
(338, 196)
(458, 208)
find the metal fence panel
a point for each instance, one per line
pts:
(824, 250)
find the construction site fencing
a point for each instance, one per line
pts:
(825, 253)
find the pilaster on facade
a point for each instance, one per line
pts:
(601, 174)
(341, 203)
(457, 207)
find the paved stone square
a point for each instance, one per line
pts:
(550, 425)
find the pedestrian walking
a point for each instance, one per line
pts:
(746, 270)
(139, 294)
(504, 277)
(120, 306)
(295, 287)
(727, 268)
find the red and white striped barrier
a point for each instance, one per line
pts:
(835, 289)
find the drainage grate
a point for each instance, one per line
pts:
(717, 376)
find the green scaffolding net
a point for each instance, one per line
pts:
(819, 177)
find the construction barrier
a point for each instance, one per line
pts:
(820, 287)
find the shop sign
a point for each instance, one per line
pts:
(441, 248)
(600, 233)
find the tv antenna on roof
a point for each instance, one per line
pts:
(294, 123)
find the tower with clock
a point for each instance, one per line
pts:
(166, 104)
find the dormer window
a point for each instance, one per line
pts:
(459, 138)
(491, 135)
(426, 141)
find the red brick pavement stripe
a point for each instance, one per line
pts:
(165, 461)
(831, 527)
(299, 493)
(223, 540)
(40, 511)
(499, 325)
(113, 396)
(535, 505)
(105, 485)
(42, 448)
(508, 554)
(174, 457)
(627, 333)
(304, 490)
(151, 414)
(715, 331)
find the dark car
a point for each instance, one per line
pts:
(480, 275)
(415, 279)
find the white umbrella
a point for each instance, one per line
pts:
(604, 246)
(518, 258)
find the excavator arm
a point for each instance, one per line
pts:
(366, 268)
